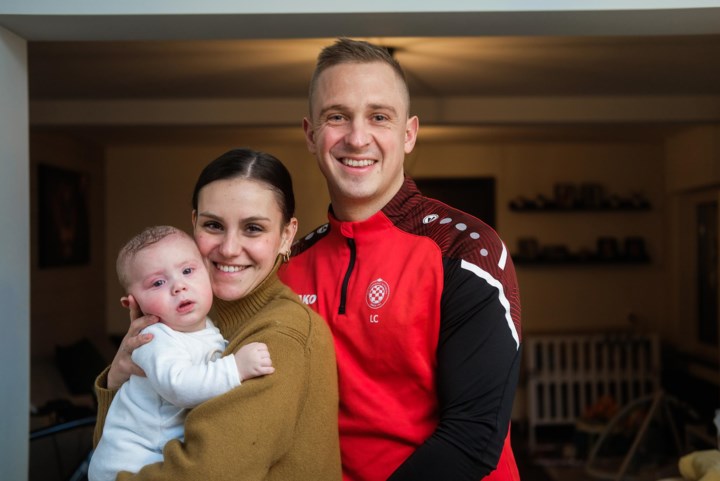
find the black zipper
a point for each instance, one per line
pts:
(346, 280)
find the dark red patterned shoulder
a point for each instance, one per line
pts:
(309, 239)
(458, 235)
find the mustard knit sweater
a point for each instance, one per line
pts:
(277, 427)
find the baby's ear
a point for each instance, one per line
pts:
(125, 302)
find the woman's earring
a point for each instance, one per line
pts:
(286, 256)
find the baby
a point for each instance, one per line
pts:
(161, 268)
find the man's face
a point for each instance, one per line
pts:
(360, 132)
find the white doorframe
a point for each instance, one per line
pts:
(14, 257)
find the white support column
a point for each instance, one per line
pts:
(14, 257)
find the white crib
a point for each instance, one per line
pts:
(569, 372)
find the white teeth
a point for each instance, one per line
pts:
(357, 163)
(228, 268)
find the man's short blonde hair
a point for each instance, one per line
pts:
(346, 50)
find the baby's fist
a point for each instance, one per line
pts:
(253, 360)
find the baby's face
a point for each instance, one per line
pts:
(169, 280)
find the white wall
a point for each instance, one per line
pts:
(14, 258)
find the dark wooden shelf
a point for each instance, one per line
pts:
(580, 261)
(552, 208)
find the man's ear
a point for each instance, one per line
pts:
(309, 135)
(411, 130)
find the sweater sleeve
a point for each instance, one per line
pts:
(242, 433)
(478, 361)
(104, 398)
(175, 373)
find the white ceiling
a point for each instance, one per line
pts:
(667, 65)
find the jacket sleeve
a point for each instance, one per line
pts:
(478, 359)
(240, 434)
(175, 374)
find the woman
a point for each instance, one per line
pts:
(281, 426)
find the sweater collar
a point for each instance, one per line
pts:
(229, 316)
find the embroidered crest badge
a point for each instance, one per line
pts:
(377, 294)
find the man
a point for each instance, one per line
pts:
(422, 299)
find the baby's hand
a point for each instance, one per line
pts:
(253, 360)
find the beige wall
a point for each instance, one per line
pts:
(571, 298)
(151, 183)
(693, 158)
(147, 179)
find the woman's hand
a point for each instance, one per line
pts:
(122, 366)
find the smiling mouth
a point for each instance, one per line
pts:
(229, 269)
(357, 162)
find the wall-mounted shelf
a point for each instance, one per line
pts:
(579, 261)
(608, 208)
(587, 198)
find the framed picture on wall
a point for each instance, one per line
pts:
(63, 218)
(474, 195)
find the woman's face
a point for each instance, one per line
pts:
(239, 229)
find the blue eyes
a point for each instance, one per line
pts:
(161, 282)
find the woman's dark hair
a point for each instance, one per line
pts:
(251, 165)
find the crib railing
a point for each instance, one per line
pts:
(567, 373)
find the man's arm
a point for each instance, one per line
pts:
(478, 359)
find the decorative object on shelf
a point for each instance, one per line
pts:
(635, 248)
(607, 251)
(587, 196)
(591, 195)
(607, 248)
(528, 248)
(555, 252)
(539, 202)
(582, 197)
(566, 195)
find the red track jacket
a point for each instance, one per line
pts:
(423, 303)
